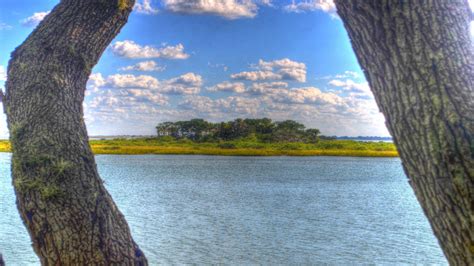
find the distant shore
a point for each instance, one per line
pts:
(140, 146)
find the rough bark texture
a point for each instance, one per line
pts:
(70, 217)
(418, 59)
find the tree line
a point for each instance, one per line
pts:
(261, 129)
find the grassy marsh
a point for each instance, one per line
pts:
(238, 147)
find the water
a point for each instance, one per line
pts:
(247, 210)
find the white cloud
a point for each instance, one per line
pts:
(3, 73)
(256, 75)
(362, 89)
(214, 108)
(189, 83)
(121, 110)
(240, 105)
(229, 9)
(283, 69)
(327, 6)
(281, 64)
(346, 75)
(200, 104)
(186, 84)
(96, 81)
(130, 49)
(129, 100)
(132, 81)
(265, 2)
(151, 96)
(35, 19)
(145, 7)
(148, 66)
(309, 95)
(237, 87)
(267, 87)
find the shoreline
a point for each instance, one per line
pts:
(237, 148)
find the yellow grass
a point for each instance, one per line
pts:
(99, 149)
(128, 147)
(4, 146)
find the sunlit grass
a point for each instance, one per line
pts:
(239, 148)
(4, 146)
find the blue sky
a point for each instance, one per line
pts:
(178, 59)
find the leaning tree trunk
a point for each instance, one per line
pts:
(418, 59)
(70, 217)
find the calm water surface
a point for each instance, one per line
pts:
(248, 210)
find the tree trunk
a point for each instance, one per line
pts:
(71, 218)
(418, 59)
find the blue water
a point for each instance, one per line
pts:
(254, 210)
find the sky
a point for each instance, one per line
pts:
(217, 60)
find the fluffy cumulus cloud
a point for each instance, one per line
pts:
(118, 103)
(186, 84)
(346, 106)
(300, 6)
(328, 111)
(122, 98)
(283, 69)
(119, 111)
(189, 83)
(35, 19)
(148, 66)
(145, 7)
(229, 9)
(256, 75)
(355, 88)
(266, 87)
(233, 106)
(237, 87)
(130, 49)
(147, 95)
(310, 95)
(132, 81)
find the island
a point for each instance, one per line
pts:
(240, 137)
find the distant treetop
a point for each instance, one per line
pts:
(263, 129)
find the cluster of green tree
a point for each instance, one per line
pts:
(263, 129)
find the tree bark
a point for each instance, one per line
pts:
(418, 58)
(71, 218)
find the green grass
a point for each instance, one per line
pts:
(239, 148)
